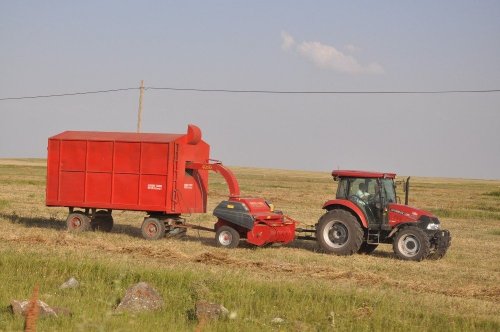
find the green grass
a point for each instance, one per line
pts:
(466, 214)
(493, 193)
(256, 302)
(495, 232)
(22, 182)
(3, 204)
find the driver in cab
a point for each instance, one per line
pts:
(362, 192)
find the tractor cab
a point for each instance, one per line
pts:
(369, 191)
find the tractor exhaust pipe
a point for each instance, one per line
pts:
(407, 190)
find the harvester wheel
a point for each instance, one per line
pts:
(227, 237)
(78, 222)
(367, 248)
(339, 232)
(412, 244)
(153, 229)
(103, 221)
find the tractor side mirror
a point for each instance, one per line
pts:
(407, 190)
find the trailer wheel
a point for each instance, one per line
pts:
(367, 248)
(339, 232)
(78, 222)
(103, 221)
(153, 229)
(412, 244)
(227, 237)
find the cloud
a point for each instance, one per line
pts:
(328, 57)
(325, 56)
(352, 48)
(287, 42)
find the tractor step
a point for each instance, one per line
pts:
(373, 237)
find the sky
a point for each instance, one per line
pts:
(53, 47)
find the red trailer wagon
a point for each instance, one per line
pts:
(94, 173)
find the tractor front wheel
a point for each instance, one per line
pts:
(412, 244)
(227, 237)
(78, 222)
(339, 232)
(153, 229)
(440, 244)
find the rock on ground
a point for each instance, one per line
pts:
(206, 310)
(70, 283)
(141, 297)
(277, 320)
(20, 307)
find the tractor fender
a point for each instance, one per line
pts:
(395, 229)
(418, 224)
(347, 205)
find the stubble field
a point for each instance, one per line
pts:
(309, 290)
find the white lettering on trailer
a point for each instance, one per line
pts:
(188, 186)
(152, 186)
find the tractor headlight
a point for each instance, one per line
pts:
(433, 227)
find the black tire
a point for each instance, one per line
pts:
(441, 247)
(411, 244)
(438, 254)
(153, 229)
(339, 232)
(367, 248)
(103, 221)
(227, 237)
(78, 222)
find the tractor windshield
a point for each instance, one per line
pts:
(388, 190)
(367, 187)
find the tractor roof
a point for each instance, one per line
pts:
(361, 174)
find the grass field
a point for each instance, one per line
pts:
(310, 290)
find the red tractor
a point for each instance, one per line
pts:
(365, 214)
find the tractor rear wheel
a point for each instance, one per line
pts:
(339, 232)
(367, 248)
(153, 229)
(227, 237)
(412, 244)
(103, 221)
(78, 222)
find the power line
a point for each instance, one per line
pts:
(259, 92)
(69, 94)
(324, 92)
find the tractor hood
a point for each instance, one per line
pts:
(399, 213)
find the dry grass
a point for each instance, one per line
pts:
(460, 291)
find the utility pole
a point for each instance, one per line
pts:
(139, 115)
